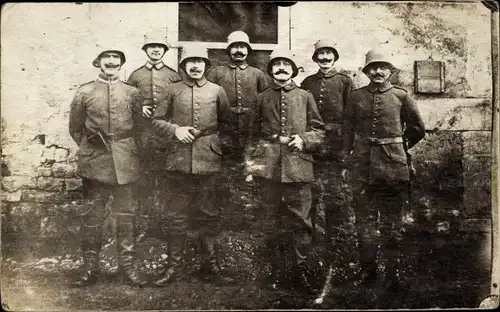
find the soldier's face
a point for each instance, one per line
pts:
(238, 51)
(282, 70)
(325, 58)
(155, 51)
(379, 73)
(110, 63)
(195, 68)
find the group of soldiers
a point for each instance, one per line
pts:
(190, 135)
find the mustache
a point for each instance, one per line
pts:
(324, 60)
(281, 71)
(195, 70)
(239, 54)
(378, 75)
(111, 65)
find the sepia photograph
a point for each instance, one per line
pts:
(244, 155)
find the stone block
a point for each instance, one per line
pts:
(477, 186)
(14, 183)
(25, 218)
(50, 184)
(64, 170)
(44, 171)
(43, 197)
(477, 143)
(457, 114)
(73, 184)
(61, 154)
(49, 227)
(11, 197)
(48, 154)
(440, 146)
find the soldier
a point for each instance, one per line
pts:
(195, 118)
(242, 83)
(151, 79)
(381, 119)
(331, 90)
(288, 128)
(101, 123)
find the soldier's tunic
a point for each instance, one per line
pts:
(331, 90)
(377, 122)
(107, 106)
(285, 176)
(152, 81)
(242, 83)
(192, 168)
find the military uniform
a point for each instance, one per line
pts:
(106, 106)
(331, 90)
(378, 120)
(152, 80)
(284, 175)
(191, 169)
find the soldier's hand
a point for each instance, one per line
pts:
(296, 143)
(146, 111)
(344, 173)
(249, 178)
(183, 134)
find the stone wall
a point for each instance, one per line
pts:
(50, 55)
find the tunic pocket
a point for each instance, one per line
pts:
(395, 152)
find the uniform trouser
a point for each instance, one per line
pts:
(148, 194)
(290, 204)
(388, 200)
(183, 195)
(96, 195)
(328, 186)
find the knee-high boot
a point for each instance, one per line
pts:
(126, 250)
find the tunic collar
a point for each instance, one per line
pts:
(158, 65)
(191, 82)
(287, 87)
(372, 87)
(108, 80)
(332, 72)
(242, 66)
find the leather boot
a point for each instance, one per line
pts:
(368, 256)
(176, 247)
(91, 242)
(276, 279)
(392, 281)
(210, 269)
(127, 265)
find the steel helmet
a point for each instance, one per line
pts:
(325, 43)
(155, 38)
(282, 53)
(376, 56)
(194, 51)
(111, 48)
(238, 37)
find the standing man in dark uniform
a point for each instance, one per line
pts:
(152, 80)
(288, 128)
(242, 83)
(195, 118)
(101, 123)
(331, 90)
(382, 122)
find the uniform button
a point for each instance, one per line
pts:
(321, 101)
(283, 111)
(322, 89)
(196, 126)
(283, 132)
(195, 118)
(283, 104)
(320, 95)
(155, 99)
(282, 123)
(283, 118)
(239, 104)
(373, 132)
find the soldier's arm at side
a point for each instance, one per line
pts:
(348, 125)
(348, 88)
(415, 128)
(77, 116)
(137, 114)
(225, 124)
(261, 82)
(211, 75)
(161, 119)
(314, 136)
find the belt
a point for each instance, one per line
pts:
(381, 141)
(332, 126)
(202, 133)
(118, 137)
(239, 110)
(277, 138)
